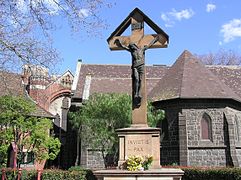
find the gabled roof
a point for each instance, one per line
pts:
(126, 23)
(114, 78)
(189, 78)
(11, 84)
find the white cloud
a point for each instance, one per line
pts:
(84, 13)
(168, 21)
(231, 30)
(210, 7)
(174, 15)
(183, 14)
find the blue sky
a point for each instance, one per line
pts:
(200, 26)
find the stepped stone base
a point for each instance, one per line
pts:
(153, 174)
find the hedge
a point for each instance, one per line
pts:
(211, 173)
(190, 173)
(25, 175)
(51, 174)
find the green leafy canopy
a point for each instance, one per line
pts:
(99, 117)
(29, 133)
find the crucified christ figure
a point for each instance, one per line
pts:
(138, 62)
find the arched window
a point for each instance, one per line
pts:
(206, 127)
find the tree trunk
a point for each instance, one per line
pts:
(77, 148)
(103, 156)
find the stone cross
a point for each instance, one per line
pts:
(137, 43)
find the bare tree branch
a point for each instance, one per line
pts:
(222, 57)
(26, 27)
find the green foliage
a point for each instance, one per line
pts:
(104, 113)
(29, 175)
(211, 173)
(25, 131)
(87, 172)
(55, 174)
(6, 138)
(154, 116)
(76, 168)
(12, 174)
(101, 115)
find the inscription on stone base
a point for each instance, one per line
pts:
(138, 145)
(141, 142)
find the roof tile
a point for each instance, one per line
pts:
(114, 78)
(189, 78)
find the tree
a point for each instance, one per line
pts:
(26, 27)
(28, 133)
(154, 116)
(222, 57)
(99, 117)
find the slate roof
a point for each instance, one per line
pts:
(186, 78)
(230, 75)
(11, 84)
(41, 112)
(189, 78)
(114, 78)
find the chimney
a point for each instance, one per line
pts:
(86, 91)
(76, 76)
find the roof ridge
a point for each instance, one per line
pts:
(184, 54)
(189, 78)
(147, 65)
(224, 66)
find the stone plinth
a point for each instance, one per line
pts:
(141, 141)
(154, 174)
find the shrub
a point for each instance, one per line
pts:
(12, 174)
(88, 173)
(29, 175)
(212, 174)
(76, 168)
(60, 174)
(53, 174)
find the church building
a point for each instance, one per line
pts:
(202, 108)
(202, 125)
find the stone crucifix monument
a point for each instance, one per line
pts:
(137, 43)
(139, 139)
